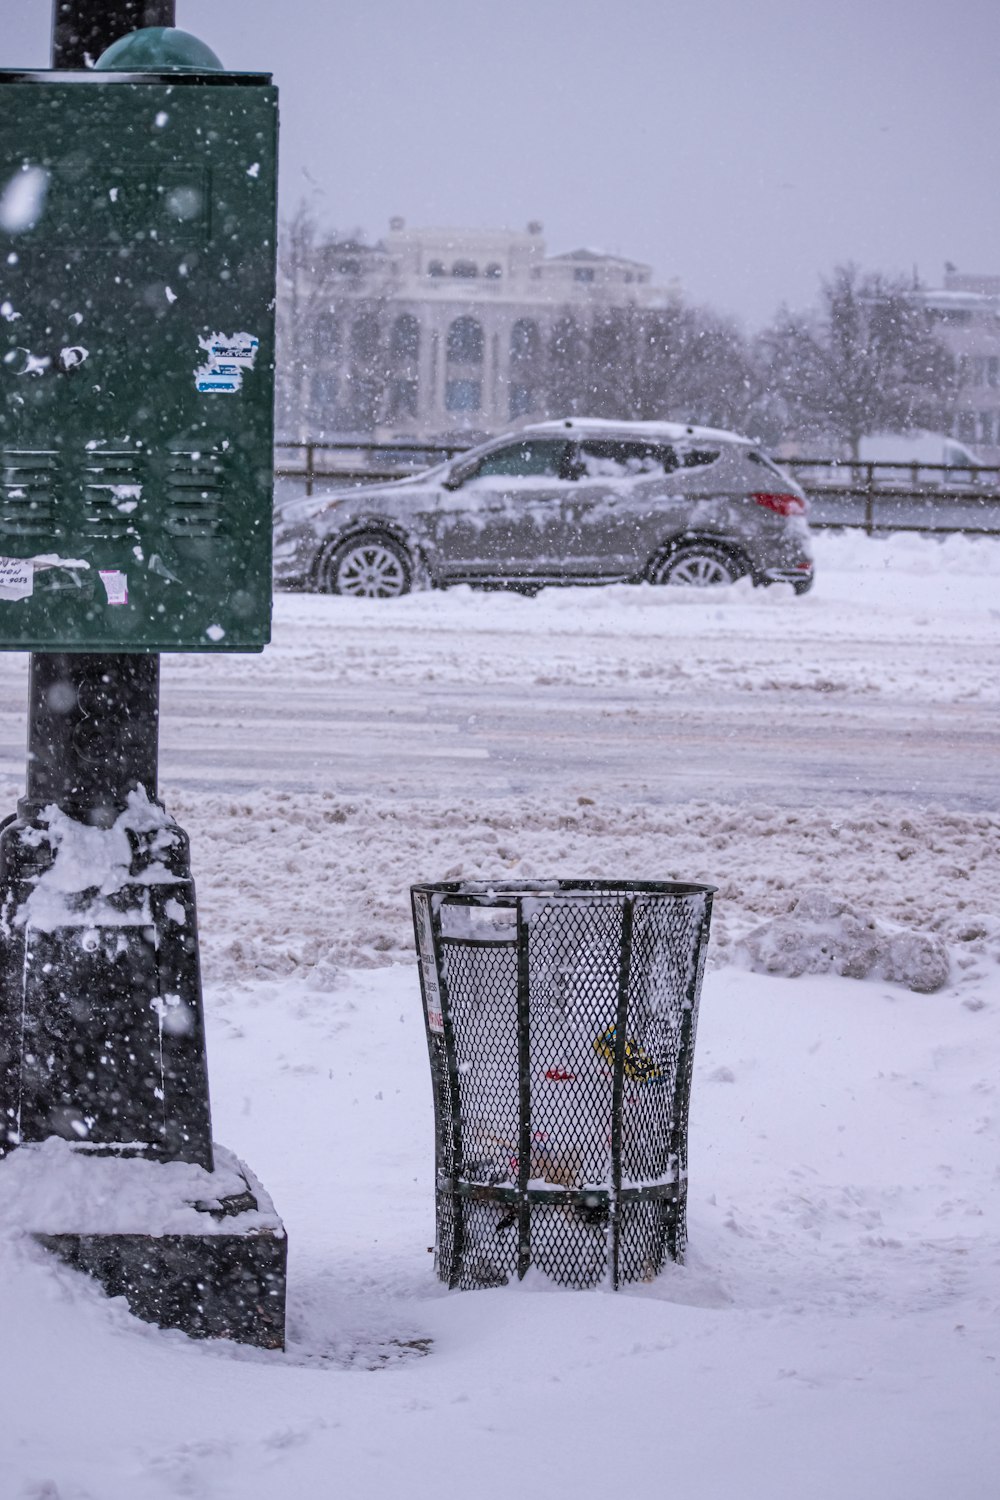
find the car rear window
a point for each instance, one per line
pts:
(697, 458)
(766, 463)
(607, 458)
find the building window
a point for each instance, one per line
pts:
(465, 268)
(435, 268)
(493, 271)
(365, 336)
(965, 427)
(583, 273)
(463, 395)
(324, 391)
(987, 428)
(525, 342)
(522, 400)
(326, 332)
(993, 370)
(404, 340)
(465, 343)
(402, 400)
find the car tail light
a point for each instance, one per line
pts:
(783, 503)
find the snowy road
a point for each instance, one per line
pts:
(857, 690)
(694, 745)
(833, 1330)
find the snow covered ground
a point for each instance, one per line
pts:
(835, 1328)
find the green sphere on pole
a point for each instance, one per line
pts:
(159, 49)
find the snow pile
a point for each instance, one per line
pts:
(824, 935)
(55, 1188)
(315, 884)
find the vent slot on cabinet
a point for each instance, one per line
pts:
(112, 493)
(196, 483)
(28, 493)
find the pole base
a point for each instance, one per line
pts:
(201, 1251)
(101, 1023)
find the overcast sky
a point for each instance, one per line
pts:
(742, 146)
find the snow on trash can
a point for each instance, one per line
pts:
(560, 1021)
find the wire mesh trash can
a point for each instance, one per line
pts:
(560, 1021)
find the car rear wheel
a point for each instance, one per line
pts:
(696, 566)
(366, 567)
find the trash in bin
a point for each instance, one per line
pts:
(560, 1021)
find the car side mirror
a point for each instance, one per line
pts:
(458, 474)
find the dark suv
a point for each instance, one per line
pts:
(578, 501)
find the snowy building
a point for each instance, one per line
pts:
(966, 316)
(444, 332)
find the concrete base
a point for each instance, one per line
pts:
(201, 1251)
(219, 1286)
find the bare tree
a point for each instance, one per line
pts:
(302, 292)
(695, 366)
(864, 361)
(566, 368)
(331, 363)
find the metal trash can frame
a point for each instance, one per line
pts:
(561, 1019)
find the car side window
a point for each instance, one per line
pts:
(697, 458)
(609, 458)
(531, 458)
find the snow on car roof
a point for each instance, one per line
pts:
(673, 432)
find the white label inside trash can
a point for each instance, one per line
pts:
(115, 585)
(494, 923)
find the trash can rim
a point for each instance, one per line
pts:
(511, 892)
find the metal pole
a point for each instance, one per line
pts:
(80, 1034)
(83, 29)
(93, 720)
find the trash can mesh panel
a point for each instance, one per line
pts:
(562, 1063)
(480, 979)
(574, 966)
(442, 1104)
(569, 1242)
(444, 1247)
(489, 1244)
(645, 1237)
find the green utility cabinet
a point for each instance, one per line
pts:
(137, 267)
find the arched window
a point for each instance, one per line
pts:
(404, 340)
(494, 271)
(525, 342)
(465, 342)
(525, 367)
(435, 268)
(465, 268)
(326, 333)
(365, 336)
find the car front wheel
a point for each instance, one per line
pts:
(697, 566)
(366, 567)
